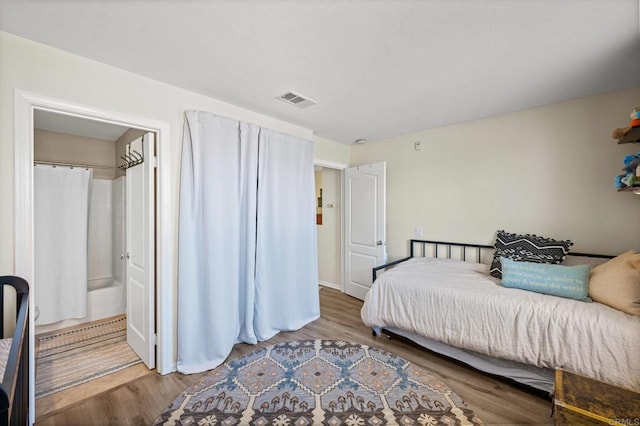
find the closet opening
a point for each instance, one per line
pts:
(94, 256)
(329, 223)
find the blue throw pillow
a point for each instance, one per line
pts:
(557, 280)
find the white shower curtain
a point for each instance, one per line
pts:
(61, 215)
(227, 293)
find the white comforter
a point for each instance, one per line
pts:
(460, 304)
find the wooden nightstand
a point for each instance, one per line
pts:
(582, 401)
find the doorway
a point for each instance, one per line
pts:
(62, 143)
(329, 222)
(25, 106)
(93, 201)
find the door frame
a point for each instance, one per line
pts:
(25, 104)
(340, 167)
(140, 264)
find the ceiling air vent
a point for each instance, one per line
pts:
(296, 99)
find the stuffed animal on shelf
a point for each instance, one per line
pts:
(620, 132)
(628, 159)
(629, 179)
(632, 175)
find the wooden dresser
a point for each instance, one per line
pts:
(582, 401)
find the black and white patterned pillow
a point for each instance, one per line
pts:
(528, 248)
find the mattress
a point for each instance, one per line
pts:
(458, 303)
(530, 375)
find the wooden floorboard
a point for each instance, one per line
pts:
(141, 400)
(63, 399)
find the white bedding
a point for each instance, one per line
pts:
(5, 347)
(460, 304)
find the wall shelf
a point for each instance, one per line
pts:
(632, 136)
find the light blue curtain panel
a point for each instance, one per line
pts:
(215, 246)
(286, 255)
(231, 288)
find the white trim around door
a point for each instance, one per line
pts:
(25, 104)
(341, 167)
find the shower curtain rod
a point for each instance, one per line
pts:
(86, 166)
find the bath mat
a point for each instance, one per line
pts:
(79, 354)
(318, 382)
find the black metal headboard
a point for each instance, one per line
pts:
(460, 251)
(440, 249)
(420, 247)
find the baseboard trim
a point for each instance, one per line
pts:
(330, 285)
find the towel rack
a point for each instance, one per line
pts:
(132, 157)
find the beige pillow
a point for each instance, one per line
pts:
(617, 283)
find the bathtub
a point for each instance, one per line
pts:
(106, 297)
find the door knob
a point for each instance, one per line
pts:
(379, 243)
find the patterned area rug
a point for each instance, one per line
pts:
(79, 354)
(318, 382)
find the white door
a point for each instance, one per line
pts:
(365, 223)
(141, 251)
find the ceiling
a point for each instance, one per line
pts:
(69, 124)
(376, 68)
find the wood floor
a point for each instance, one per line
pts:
(141, 400)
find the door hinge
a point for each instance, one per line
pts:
(154, 339)
(154, 162)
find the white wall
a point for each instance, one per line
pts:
(100, 244)
(50, 72)
(118, 228)
(121, 147)
(547, 171)
(329, 244)
(330, 151)
(106, 229)
(64, 148)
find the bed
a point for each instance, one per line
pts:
(443, 298)
(14, 352)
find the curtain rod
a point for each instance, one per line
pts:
(86, 166)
